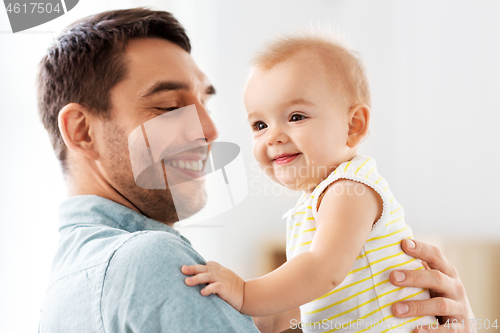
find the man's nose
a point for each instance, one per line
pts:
(275, 135)
(207, 125)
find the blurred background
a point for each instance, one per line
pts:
(434, 70)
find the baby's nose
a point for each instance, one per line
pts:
(276, 136)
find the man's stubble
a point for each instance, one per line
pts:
(158, 204)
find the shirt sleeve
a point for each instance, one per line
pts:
(144, 291)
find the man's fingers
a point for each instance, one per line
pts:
(194, 269)
(425, 265)
(213, 288)
(431, 255)
(437, 306)
(427, 279)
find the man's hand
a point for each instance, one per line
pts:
(449, 301)
(221, 281)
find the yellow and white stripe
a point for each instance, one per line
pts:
(366, 293)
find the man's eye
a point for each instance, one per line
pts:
(297, 117)
(259, 126)
(168, 109)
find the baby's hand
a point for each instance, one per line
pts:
(221, 281)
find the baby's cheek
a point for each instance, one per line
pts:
(265, 166)
(260, 154)
(268, 170)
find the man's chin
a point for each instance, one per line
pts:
(188, 199)
(169, 206)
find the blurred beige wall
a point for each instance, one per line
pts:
(478, 265)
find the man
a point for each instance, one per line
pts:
(117, 268)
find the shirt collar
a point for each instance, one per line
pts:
(93, 209)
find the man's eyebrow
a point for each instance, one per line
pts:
(166, 86)
(173, 85)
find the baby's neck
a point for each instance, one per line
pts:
(310, 189)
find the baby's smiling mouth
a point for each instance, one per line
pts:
(285, 158)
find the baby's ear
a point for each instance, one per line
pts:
(359, 124)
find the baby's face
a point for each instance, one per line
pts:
(300, 127)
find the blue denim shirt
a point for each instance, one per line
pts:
(116, 270)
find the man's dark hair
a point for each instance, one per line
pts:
(86, 61)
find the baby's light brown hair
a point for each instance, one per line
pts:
(343, 64)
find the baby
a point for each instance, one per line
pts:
(308, 103)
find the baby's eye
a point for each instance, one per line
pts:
(297, 117)
(259, 126)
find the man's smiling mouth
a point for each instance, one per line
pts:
(188, 168)
(195, 165)
(190, 162)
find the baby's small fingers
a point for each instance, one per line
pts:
(212, 288)
(201, 278)
(193, 269)
(213, 264)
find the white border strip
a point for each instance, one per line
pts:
(64, 6)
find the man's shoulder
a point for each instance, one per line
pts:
(144, 290)
(145, 272)
(148, 248)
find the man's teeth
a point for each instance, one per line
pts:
(188, 165)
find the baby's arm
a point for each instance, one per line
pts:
(279, 322)
(343, 223)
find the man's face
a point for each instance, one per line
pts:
(161, 77)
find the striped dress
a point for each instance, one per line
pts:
(362, 302)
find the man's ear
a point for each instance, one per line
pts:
(359, 124)
(75, 125)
